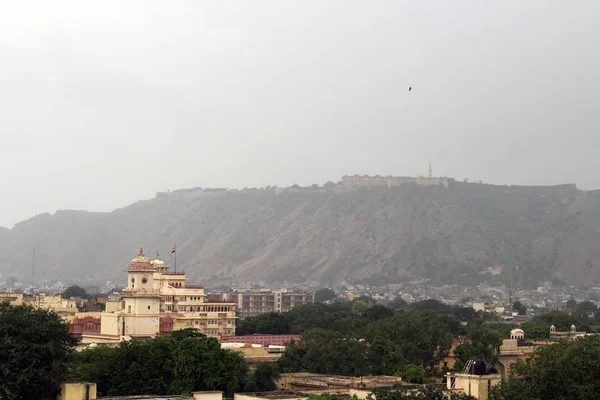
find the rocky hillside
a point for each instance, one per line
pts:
(464, 233)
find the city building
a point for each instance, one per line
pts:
(66, 308)
(14, 299)
(263, 340)
(475, 385)
(252, 302)
(255, 353)
(157, 301)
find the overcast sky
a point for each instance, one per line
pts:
(107, 102)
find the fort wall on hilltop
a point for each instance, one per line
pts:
(393, 181)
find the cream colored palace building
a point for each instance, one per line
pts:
(157, 301)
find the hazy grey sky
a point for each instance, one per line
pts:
(103, 103)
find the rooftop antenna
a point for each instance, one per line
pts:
(430, 170)
(33, 270)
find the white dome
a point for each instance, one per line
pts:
(517, 334)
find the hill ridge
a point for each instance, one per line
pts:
(465, 232)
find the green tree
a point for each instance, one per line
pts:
(291, 359)
(385, 357)
(360, 307)
(536, 330)
(565, 370)
(519, 308)
(263, 379)
(398, 304)
(34, 350)
(483, 344)
(324, 294)
(75, 291)
(413, 374)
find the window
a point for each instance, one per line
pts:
(144, 280)
(148, 307)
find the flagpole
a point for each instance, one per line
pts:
(175, 248)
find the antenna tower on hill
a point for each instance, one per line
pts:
(430, 175)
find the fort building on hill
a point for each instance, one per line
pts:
(393, 181)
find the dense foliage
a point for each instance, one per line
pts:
(355, 339)
(324, 294)
(180, 363)
(34, 349)
(75, 291)
(564, 370)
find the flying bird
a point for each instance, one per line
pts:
(410, 88)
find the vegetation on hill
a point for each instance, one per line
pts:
(466, 233)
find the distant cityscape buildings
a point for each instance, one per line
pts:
(252, 302)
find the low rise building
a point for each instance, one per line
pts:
(66, 308)
(477, 386)
(263, 340)
(14, 299)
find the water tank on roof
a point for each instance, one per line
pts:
(479, 368)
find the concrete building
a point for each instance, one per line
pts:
(478, 386)
(87, 391)
(254, 353)
(157, 301)
(14, 299)
(263, 340)
(252, 302)
(66, 308)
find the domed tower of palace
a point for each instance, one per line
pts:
(141, 299)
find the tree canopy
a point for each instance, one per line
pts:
(324, 294)
(75, 291)
(34, 350)
(180, 363)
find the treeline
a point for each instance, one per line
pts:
(180, 363)
(408, 340)
(351, 338)
(352, 319)
(341, 338)
(37, 354)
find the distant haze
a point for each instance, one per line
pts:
(104, 103)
